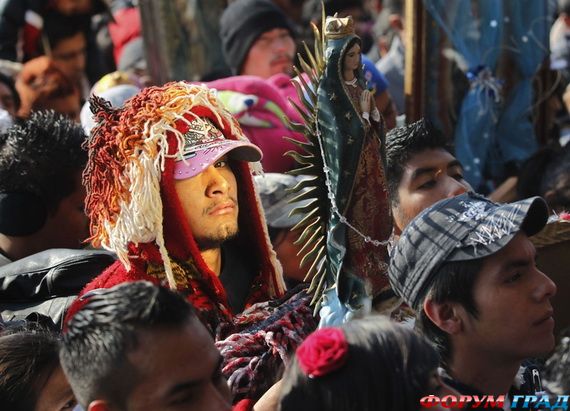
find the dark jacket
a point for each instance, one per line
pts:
(47, 282)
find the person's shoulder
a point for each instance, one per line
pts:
(113, 275)
(63, 269)
(48, 281)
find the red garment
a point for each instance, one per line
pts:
(31, 33)
(204, 288)
(126, 27)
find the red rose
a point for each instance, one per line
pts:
(323, 351)
(565, 215)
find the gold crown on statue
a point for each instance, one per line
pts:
(338, 27)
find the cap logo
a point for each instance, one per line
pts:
(493, 229)
(474, 211)
(202, 135)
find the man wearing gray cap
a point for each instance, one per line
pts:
(257, 38)
(467, 266)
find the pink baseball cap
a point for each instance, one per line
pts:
(204, 144)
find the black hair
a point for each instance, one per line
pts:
(60, 28)
(28, 356)
(42, 156)
(454, 282)
(556, 373)
(9, 82)
(388, 368)
(402, 143)
(104, 330)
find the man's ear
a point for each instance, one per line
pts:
(98, 405)
(444, 315)
(397, 220)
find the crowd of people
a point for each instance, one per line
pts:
(275, 237)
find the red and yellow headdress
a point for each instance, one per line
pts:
(128, 151)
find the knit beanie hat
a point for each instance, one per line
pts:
(242, 22)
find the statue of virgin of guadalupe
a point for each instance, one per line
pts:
(352, 133)
(355, 225)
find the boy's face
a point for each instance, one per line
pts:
(429, 176)
(513, 300)
(56, 394)
(178, 369)
(68, 225)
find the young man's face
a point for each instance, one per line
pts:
(69, 56)
(513, 300)
(429, 176)
(68, 226)
(210, 204)
(56, 394)
(270, 54)
(178, 369)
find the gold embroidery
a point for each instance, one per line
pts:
(182, 272)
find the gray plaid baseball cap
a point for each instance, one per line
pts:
(461, 228)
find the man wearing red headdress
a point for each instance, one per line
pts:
(170, 191)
